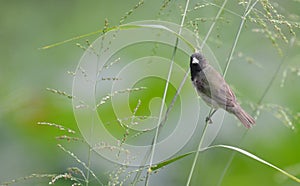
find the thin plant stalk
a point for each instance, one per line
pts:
(247, 11)
(232, 156)
(213, 24)
(165, 94)
(212, 111)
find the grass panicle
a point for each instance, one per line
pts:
(70, 138)
(289, 71)
(32, 176)
(283, 114)
(109, 96)
(60, 127)
(81, 163)
(65, 176)
(118, 149)
(139, 4)
(59, 92)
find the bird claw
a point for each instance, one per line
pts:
(208, 120)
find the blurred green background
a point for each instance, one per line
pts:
(26, 71)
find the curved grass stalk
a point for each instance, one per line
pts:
(239, 150)
(116, 28)
(232, 148)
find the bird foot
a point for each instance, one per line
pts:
(208, 120)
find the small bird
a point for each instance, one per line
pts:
(213, 89)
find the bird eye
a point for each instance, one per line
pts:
(195, 60)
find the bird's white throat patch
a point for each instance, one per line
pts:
(195, 60)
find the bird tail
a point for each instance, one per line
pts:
(244, 117)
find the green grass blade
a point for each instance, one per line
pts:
(121, 27)
(167, 162)
(246, 153)
(241, 151)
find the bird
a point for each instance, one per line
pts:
(213, 89)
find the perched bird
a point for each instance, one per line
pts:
(213, 89)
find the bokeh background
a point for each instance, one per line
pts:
(26, 71)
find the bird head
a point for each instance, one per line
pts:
(197, 62)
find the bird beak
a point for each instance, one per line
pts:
(195, 61)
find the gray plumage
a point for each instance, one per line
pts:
(213, 89)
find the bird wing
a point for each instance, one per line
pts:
(219, 90)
